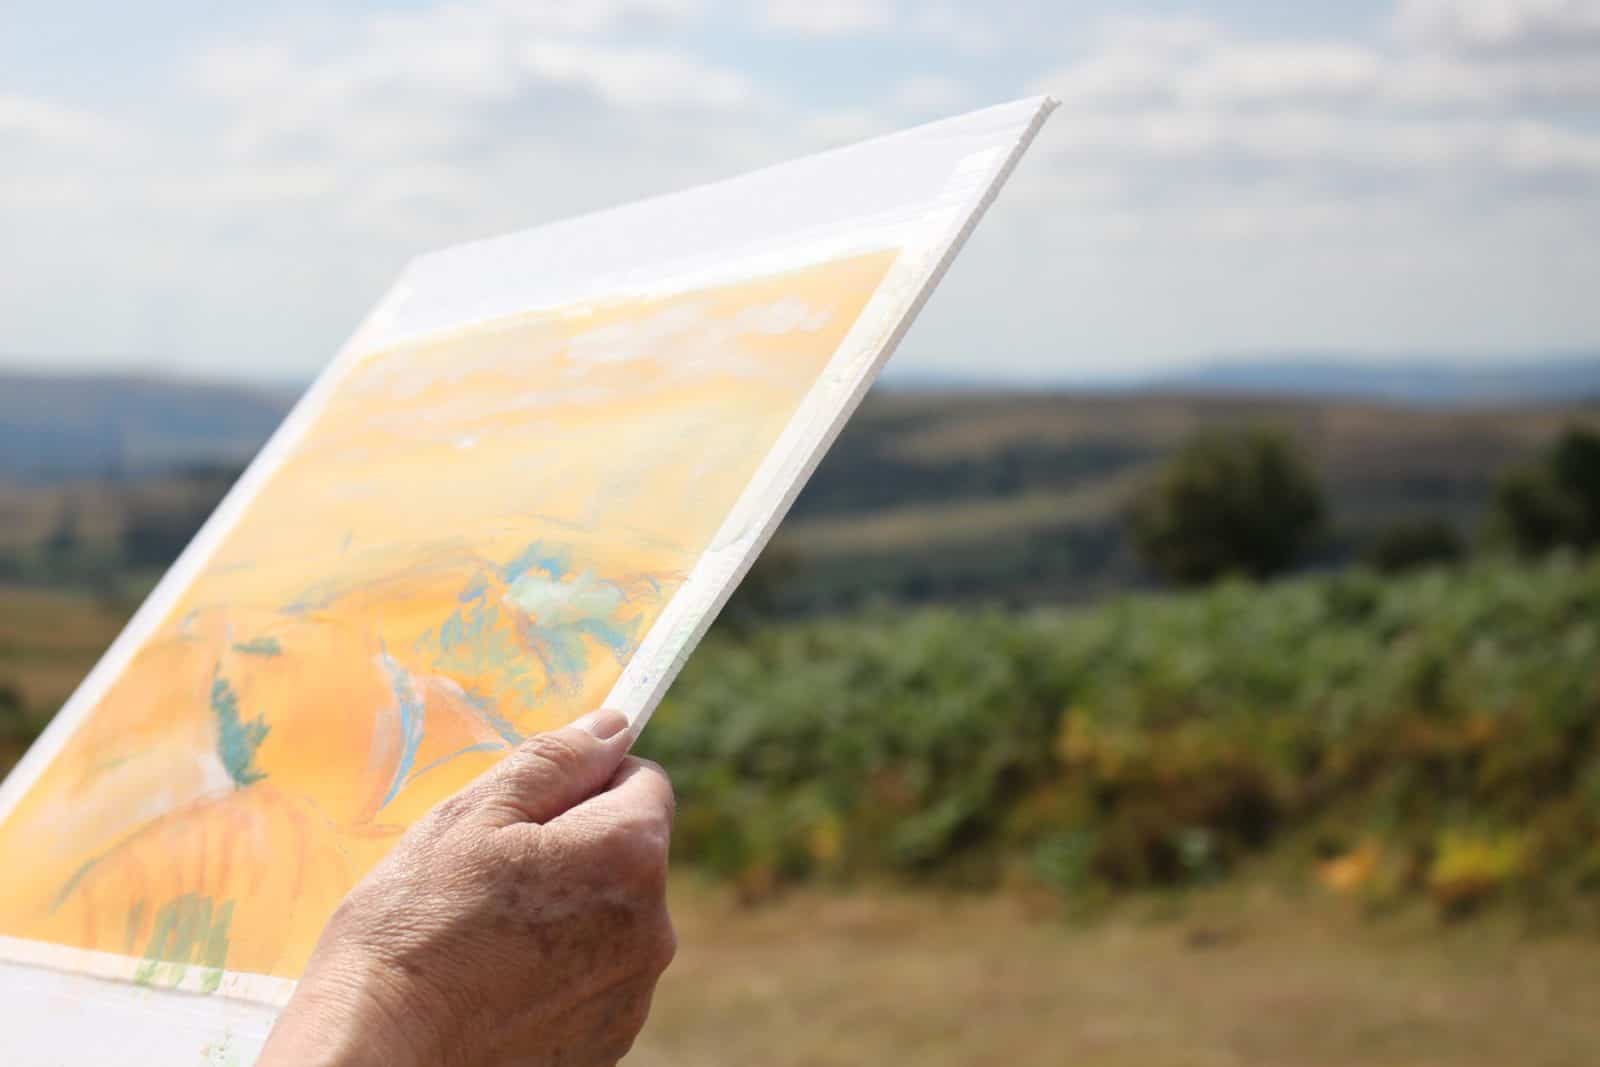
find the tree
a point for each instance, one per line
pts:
(15, 723)
(1554, 501)
(153, 535)
(65, 538)
(1237, 501)
(1409, 544)
(759, 597)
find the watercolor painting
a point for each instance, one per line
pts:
(464, 547)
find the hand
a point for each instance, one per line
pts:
(522, 921)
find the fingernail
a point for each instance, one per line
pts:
(603, 724)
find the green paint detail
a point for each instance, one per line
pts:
(210, 980)
(135, 921)
(221, 1055)
(72, 883)
(237, 740)
(216, 946)
(189, 931)
(261, 646)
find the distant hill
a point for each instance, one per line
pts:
(1429, 383)
(122, 426)
(933, 495)
(1020, 497)
(56, 427)
(1419, 382)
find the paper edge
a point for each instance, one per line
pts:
(704, 595)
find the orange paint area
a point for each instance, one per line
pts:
(464, 547)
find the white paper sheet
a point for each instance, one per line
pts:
(909, 199)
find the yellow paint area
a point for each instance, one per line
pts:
(464, 547)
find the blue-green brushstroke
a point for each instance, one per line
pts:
(237, 740)
(411, 723)
(485, 709)
(261, 646)
(487, 746)
(72, 883)
(553, 561)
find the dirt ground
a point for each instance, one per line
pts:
(1242, 980)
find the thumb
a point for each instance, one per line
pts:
(551, 772)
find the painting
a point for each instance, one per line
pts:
(465, 545)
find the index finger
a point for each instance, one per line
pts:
(640, 791)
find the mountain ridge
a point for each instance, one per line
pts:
(126, 424)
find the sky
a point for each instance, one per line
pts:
(224, 190)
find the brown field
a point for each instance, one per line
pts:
(49, 640)
(932, 525)
(942, 427)
(1236, 980)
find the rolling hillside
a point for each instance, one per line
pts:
(962, 496)
(1019, 497)
(55, 427)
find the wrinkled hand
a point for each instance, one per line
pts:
(522, 921)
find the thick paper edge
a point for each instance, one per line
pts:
(811, 432)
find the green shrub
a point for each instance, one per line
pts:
(1555, 501)
(1412, 544)
(1154, 741)
(16, 725)
(1232, 502)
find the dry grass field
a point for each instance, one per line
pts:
(1235, 979)
(48, 641)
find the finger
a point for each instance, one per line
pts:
(550, 772)
(639, 788)
(637, 804)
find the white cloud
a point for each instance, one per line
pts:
(431, 81)
(1280, 73)
(50, 125)
(824, 18)
(638, 78)
(929, 94)
(1188, 92)
(1168, 36)
(1501, 26)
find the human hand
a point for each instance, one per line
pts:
(522, 921)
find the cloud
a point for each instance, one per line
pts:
(1186, 92)
(825, 18)
(430, 81)
(421, 126)
(1501, 27)
(41, 123)
(929, 94)
(637, 77)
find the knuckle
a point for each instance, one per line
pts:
(555, 750)
(636, 1010)
(449, 811)
(664, 949)
(668, 795)
(639, 848)
(618, 1044)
